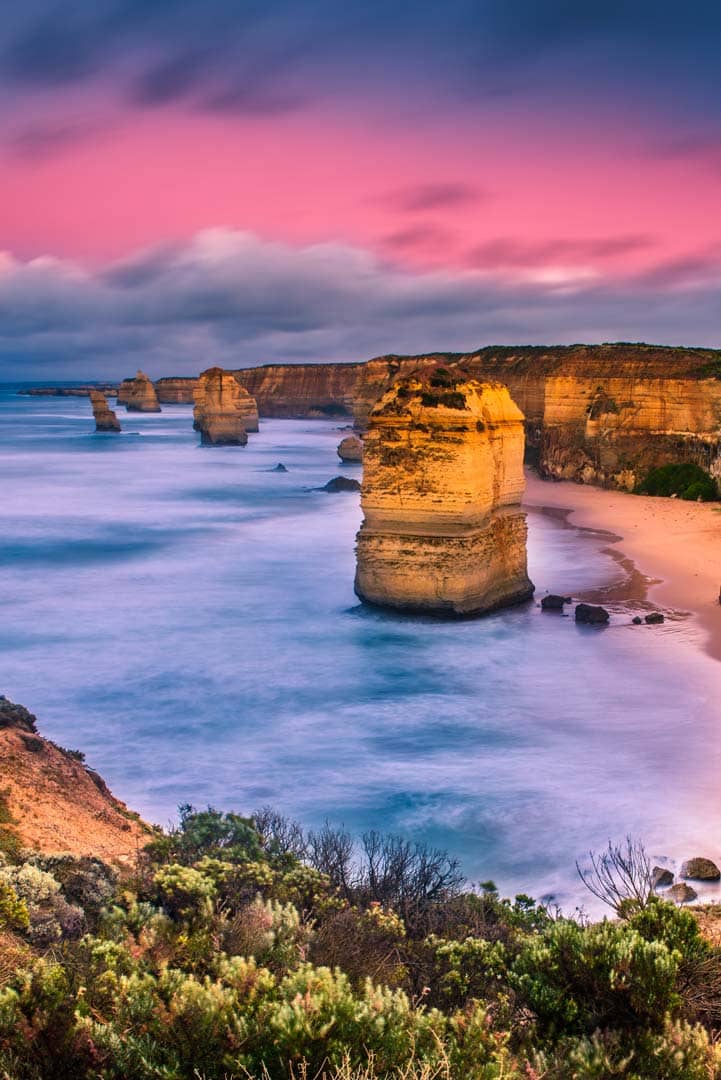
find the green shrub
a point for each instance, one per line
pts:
(686, 480)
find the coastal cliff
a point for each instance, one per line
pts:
(138, 394)
(443, 531)
(52, 803)
(175, 390)
(602, 414)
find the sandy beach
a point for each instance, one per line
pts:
(676, 545)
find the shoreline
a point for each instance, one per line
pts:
(675, 545)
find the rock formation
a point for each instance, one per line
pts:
(140, 395)
(53, 803)
(442, 483)
(176, 390)
(597, 414)
(350, 449)
(105, 418)
(224, 410)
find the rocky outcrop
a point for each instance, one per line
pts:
(341, 483)
(700, 869)
(176, 390)
(443, 531)
(68, 391)
(138, 394)
(351, 449)
(52, 802)
(224, 410)
(599, 414)
(591, 615)
(105, 418)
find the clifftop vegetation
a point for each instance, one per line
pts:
(246, 947)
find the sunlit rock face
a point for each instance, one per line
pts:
(443, 531)
(224, 411)
(351, 449)
(140, 395)
(175, 390)
(105, 418)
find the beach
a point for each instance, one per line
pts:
(675, 545)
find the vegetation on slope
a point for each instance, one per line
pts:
(247, 948)
(686, 480)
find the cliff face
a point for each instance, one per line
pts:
(224, 411)
(105, 418)
(52, 803)
(602, 414)
(442, 481)
(138, 394)
(175, 390)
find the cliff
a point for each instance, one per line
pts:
(138, 394)
(442, 482)
(175, 390)
(51, 802)
(602, 414)
(224, 410)
(105, 418)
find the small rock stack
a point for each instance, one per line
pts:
(224, 410)
(105, 418)
(139, 394)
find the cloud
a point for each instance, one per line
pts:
(510, 252)
(232, 298)
(420, 198)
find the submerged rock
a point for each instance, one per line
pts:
(660, 877)
(654, 617)
(700, 869)
(280, 467)
(637, 620)
(224, 411)
(681, 893)
(350, 449)
(341, 483)
(591, 614)
(443, 530)
(105, 418)
(140, 394)
(553, 602)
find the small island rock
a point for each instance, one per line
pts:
(350, 449)
(141, 396)
(105, 418)
(654, 617)
(660, 877)
(637, 620)
(553, 602)
(591, 614)
(341, 483)
(700, 869)
(223, 409)
(681, 893)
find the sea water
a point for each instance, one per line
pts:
(185, 616)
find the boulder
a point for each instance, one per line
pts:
(551, 602)
(351, 449)
(681, 893)
(341, 483)
(591, 614)
(280, 467)
(700, 869)
(105, 418)
(654, 617)
(660, 877)
(223, 409)
(637, 620)
(140, 394)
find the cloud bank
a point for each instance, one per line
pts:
(232, 298)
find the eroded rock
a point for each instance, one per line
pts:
(341, 483)
(591, 614)
(551, 602)
(660, 877)
(224, 411)
(681, 893)
(139, 394)
(351, 449)
(700, 869)
(442, 482)
(105, 418)
(654, 618)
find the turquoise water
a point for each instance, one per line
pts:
(187, 618)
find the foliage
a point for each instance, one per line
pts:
(686, 480)
(246, 948)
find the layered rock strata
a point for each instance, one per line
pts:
(443, 531)
(176, 390)
(224, 411)
(138, 394)
(105, 418)
(600, 414)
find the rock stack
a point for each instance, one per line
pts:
(139, 394)
(350, 449)
(442, 482)
(105, 418)
(224, 411)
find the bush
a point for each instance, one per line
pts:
(686, 480)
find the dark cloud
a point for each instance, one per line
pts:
(439, 196)
(229, 297)
(423, 235)
(40, 141)
(511, 252)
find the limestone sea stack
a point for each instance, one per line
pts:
(141, 396)
(224, 410)
(105, 418)
(443, 530)
(350, 449)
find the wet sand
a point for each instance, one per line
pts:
(675, 546)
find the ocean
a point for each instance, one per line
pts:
(186, 617)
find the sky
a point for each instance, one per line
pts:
(192, 182)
